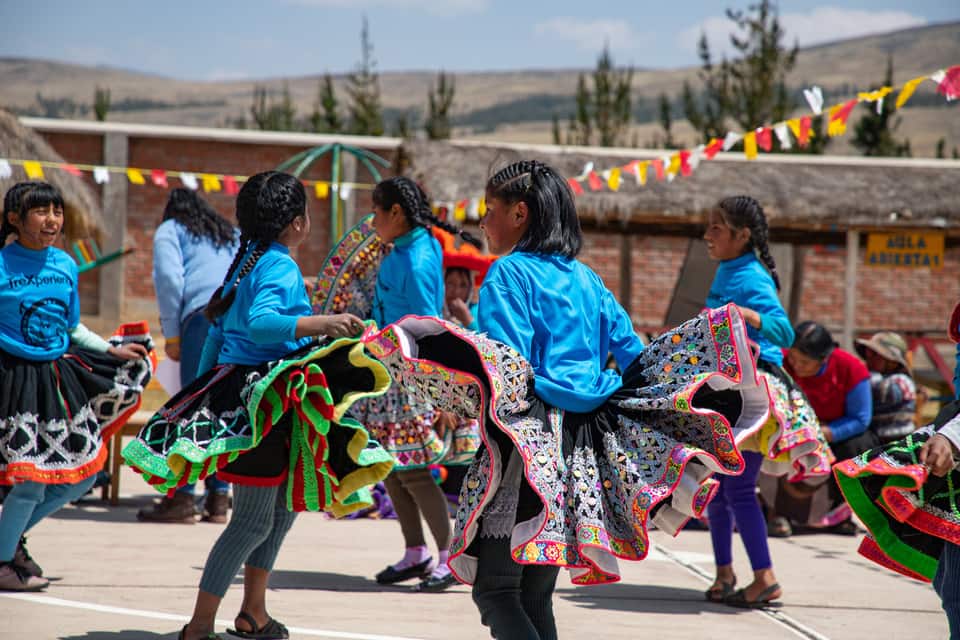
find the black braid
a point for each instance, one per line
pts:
(745, 212)
(416, 206)
(266, 205)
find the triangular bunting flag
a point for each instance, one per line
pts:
(135, 177)
(5, 169)
(783, 135)
(713, 148)
(71, 169)
(949, 85)
(658, 168)
(750, 145)
(159, 178)
(730, 140)
(837, 125)
(210, 182)
(575, 186)
(34, 169)
(908, 90)
(101, 175)
(765, 139)
(230, 186)
(322, 189)
(189, 180)
(814, 96)
(613, 181)
(596, 184)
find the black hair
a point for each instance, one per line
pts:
(415, 205)
(266, 204)
(741, 212)
(200, 219)
(554, 226)
(464, 271)
(813, 340)
(11, 203)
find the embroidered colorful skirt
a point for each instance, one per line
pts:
(590, 481)
(404, 428)
(908, 513)
(55, 416)
(263, 425)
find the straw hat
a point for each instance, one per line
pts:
(887, 344)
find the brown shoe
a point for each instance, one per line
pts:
(215, 508)
(22, 559)
(178, 509)
(12, 578)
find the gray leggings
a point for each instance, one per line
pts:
(253, 537)
(413, 492)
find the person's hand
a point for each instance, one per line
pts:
(445, 421)
(172, 350)
(461, 311)
(750, 316)
(341, 325)
(936, 455)
(827, 433)
(129, 351)
(310, 284)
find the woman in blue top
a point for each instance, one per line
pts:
(267, 409)
(63, 389)
(192, 250)
(791, 442)
(575, 457)
(410, 282)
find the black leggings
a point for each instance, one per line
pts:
(515, 600)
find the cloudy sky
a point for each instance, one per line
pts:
(205, 40)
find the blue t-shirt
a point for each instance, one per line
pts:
(39, 304)
(745, 282)
(558, 314)
(261, 323)
(410, 279)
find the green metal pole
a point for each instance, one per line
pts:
(335, 197)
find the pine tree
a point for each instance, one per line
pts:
(273, 115)
(557, 139)
(874, 133)
(941, 148)
(708, 112)
(666, 122)
(439, 102)
(401, 127)
(366, 114)
(607, 109)
(101, 103)
(326, 114)
(583, 130)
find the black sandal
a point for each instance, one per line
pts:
(739, 598)
(720, 590)
(779, 527)
(209, 636)
(272, 630)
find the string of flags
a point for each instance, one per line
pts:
(209, 182)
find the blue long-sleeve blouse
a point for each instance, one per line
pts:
(410, 279)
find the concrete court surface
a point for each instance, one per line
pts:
(125, 580)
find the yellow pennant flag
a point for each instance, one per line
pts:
(750, 145)
(322, 189)
(135, 176)
(482, 207)
(614, 180)
(674, 168)
(34, 169)
(642, 172)
(210, 182)
(460, 211)
(908, 90)
(873, 96)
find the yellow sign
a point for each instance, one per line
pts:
(908, 249)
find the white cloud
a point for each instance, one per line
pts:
(819, 25)
(435, 7)
(591, 35)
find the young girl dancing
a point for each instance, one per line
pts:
(268, 409)
(575, 458)
(791, 443)
(410, 282)
(63, 389)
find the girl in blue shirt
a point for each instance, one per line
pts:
(63, 389)
(410, 282)
(575, 456)
(192, 250)
(791, 442)
(267, 409)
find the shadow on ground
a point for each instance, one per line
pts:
(641, 598)
(126, 634)
(323, 581)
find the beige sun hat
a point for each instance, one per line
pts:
(887, 344)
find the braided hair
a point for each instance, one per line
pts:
(199, 218)
(267, 203)
(554, 226)
(11, 203)
(741, 212)
(415, 205)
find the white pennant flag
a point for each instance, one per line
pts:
(880, 107)
(814, 97)
(783, 135)
(189, 181)
(696, 155)
(473, 209)
(586, 171)
(730, 140)
(5, 169)
(345, 191)
(101, 175)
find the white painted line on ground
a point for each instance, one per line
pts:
(795, 626)
(156, 615)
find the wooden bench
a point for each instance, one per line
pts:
(111, 491)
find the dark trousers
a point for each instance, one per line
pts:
(515, 600)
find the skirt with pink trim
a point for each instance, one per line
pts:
(576, 490)
(908, 512)
(56, 416)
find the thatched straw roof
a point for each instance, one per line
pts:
(816, 193)
(83, 218)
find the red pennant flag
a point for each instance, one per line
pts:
(803, 138)
(838, 118)
(713, 148)
(230, 186)
(658, 167)
(159, 178)
(685, 169)
(596, 184)
(764, 138)
(949, 87)
(575, 186)
(72, 170)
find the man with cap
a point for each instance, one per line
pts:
(891, 382)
